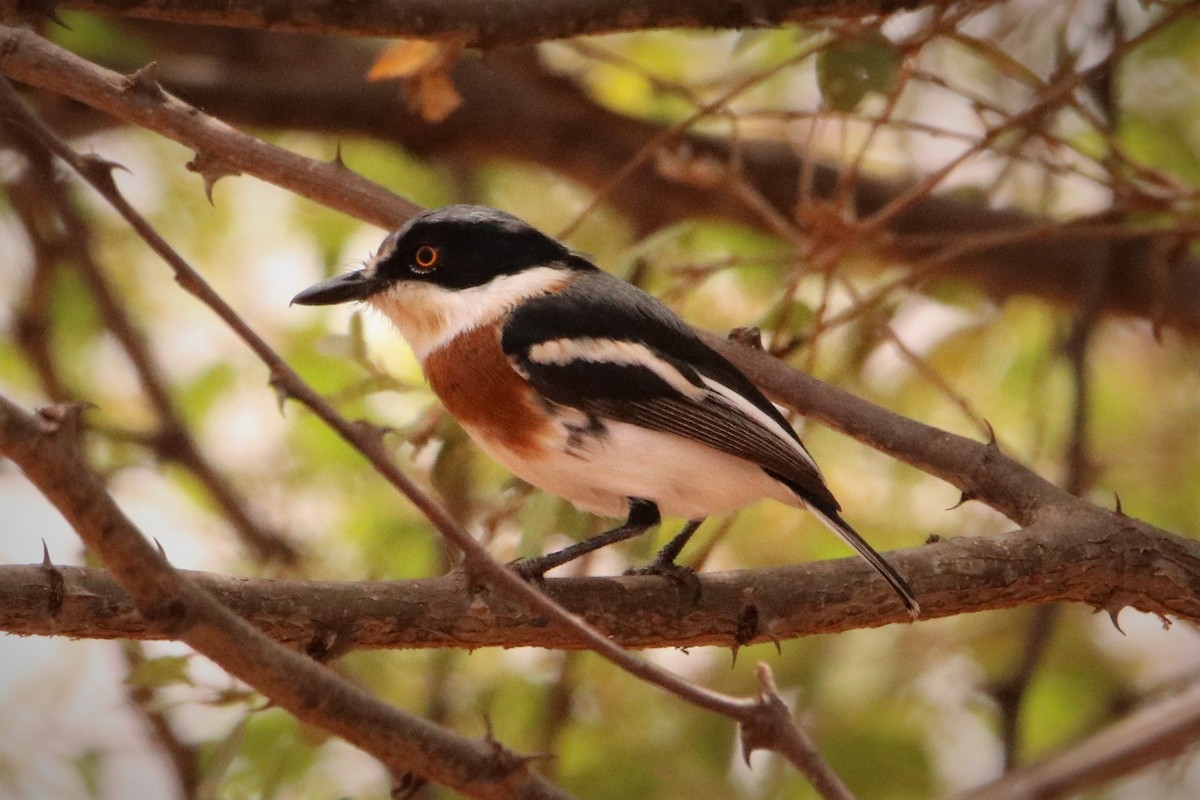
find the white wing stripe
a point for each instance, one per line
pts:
(758, 415)
(561, 352)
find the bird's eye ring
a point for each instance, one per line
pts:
(426, 257)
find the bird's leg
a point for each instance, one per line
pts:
(643, 515)
(671, 550)
(664, 562)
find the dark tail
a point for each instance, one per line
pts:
(848, 535)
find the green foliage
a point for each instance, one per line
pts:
(160, 672)
(849, 69)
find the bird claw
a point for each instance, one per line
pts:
(530, 570)
(683, 577)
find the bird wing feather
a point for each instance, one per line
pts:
(610, 350)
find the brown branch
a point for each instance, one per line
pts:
(220, 149)
(61, 231)
(1158, 731)
(483, 23)
(1099, 559)
(47, 448)
(514, 110)
(979, 470)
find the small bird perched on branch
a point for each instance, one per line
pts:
(582, 384)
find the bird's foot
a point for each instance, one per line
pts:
(683, 577)
(531, 570)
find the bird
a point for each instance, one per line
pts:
(583, 385)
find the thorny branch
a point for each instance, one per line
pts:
(486, 24)
(478, 560)
(47, 448)
(1105, 562)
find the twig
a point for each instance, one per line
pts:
(183, 758)
(1158, 731)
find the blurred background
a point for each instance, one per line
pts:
(969, 217)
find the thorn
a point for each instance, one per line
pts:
(99, 170)
(1117, 510)
(50, 9)
(337, 157)
(161, 551)
(991, 435)
(145, 81)
(278, 382)
(747, 626)
(965, 497)
(58, 586)
(372, 431)
(211, 169)
(1113, 613)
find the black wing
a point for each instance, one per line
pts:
(608, 349)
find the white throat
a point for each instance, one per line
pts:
(429, 316)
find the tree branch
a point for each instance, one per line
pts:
(1102, 560)
(514, 110)
(1159, 730)
(47, 448)
(481, 23)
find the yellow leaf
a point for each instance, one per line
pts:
(407, 58)
(435, 96)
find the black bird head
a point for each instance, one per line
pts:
(456, 247)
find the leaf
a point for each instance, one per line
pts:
(425, 66)
(155, 673)
(850, 68)
(407, 58)
(433, 96)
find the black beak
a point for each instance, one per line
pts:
(342, 289)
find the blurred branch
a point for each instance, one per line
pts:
(482, 23)
(220, 150)
(183, 758)
(1102, 560)
(515, 110)
(1158, 731)
(57, 231)
(47, 447)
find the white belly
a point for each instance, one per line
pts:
(684, 478)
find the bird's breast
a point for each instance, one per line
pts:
(474, 380)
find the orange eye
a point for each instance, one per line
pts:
(426, 257)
